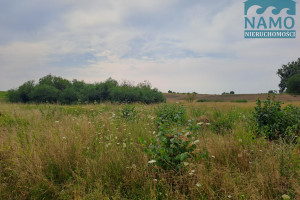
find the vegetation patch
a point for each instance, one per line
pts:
(52, 89)
(274, 122)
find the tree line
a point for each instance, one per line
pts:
(54, 89)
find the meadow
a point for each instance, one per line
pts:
(95, 151)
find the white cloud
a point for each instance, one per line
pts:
(175, 44)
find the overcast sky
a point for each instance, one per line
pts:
(181, 45)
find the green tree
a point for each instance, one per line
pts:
(68, 96)
(45, 93)
(56, 81)
(22, 94)
(287, 71)
(293, 84)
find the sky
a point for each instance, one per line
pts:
(179, 45)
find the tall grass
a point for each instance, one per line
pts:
(93, 152)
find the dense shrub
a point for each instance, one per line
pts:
(293, 84)
(172, 149)
(274, 122)
(54, 89)
(128, 112)
(44, 93)
(169, 114)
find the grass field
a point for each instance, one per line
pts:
(92, 152)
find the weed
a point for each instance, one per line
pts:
(128, 112)
(273, 122)
(169, 114)
(172, 149)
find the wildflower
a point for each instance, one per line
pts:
(229, 196)
(196, 141)
(124, 145)
(200, 123)
(207, 124)
(213, 156)
(155, 180)
(186, 163)
(154, 132)
(56, 121)
(152, 161)
(198, 184)
(192, 172)
(285, 197)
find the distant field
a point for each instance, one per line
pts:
(232, 97)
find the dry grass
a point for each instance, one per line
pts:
(90, 152)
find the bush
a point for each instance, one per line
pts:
(45, 93)
(169, 114)
(203, 100)
(58, 90)
(293, 84)
(240, 101)
(172, 149)
(273, 122)
(128, 112)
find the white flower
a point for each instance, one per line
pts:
(196, 141)
(152, 161)
(155, 180)
(207, 124)
(229, 196)
(286, 197)
(213, 156)
(198, 184)
(200, 123)
(186, 163)
(124, 145)
(56, 121)
(192, 172)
